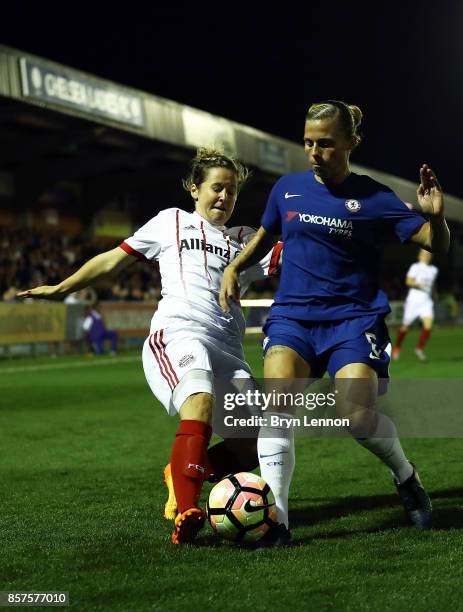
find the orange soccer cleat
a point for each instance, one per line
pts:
(187, 525)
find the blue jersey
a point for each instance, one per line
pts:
(333, 244)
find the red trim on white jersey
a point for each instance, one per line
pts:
(275, 257)
(128, 249)
(177, 224)
(160, 364)
(158, 341)
(227, 240)
(206, 269)
(158, 349)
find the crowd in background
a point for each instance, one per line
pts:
(29, 259)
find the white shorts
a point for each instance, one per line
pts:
(414, 309)
(177, 363)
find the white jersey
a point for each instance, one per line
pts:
(192, 255)
(419, 302)
(425, 275)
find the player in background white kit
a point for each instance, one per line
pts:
(419, 303)
(191, 339)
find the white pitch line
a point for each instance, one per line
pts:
(64, 366)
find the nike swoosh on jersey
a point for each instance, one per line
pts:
(273, 454)
(250, 507)
(292, 195)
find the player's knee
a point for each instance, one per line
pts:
(355, 400)
(354, 393)
(198, 407)
(278, 368)
(362, 423)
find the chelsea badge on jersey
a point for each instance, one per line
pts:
(353, 206)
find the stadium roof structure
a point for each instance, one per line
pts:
(61, 126)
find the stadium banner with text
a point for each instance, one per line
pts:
(362, 408)
(74, 90)
(128, 318)
(30, 323)
(35, 322)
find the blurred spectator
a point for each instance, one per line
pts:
(10, 294)
(96, 332)
(119, 292)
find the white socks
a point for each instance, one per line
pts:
(385, 444)
(275, 447)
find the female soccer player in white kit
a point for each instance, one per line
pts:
(191, 339)
(419, 303)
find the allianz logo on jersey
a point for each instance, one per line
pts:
(339, 227)
(198, 245)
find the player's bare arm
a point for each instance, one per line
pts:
(104, 264)
(434, 235)
(254, 251)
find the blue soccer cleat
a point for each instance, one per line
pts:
(276, 537)
(415, 500)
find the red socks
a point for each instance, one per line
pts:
(400, 337)
(188, 462)
(425, 333)
(423, 339)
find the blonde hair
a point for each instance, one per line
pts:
(213, 157)
(348, 116)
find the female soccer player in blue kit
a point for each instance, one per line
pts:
(329, 311)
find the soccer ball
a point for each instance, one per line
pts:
(241, 507)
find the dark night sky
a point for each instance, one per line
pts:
(262, 64)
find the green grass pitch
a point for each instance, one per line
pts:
(83, 444)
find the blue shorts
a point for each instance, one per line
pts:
(330, 345)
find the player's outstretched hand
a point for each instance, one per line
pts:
(230, 288)
(429, 193)
(46, 292)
